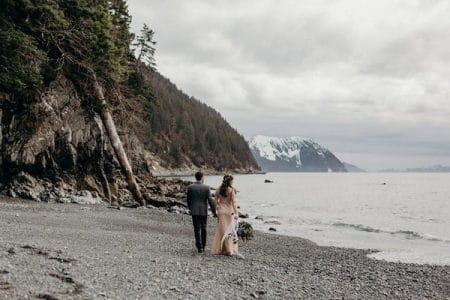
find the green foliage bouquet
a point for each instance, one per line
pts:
(245, 231)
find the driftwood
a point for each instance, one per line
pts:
(116, 143)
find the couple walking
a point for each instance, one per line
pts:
(224, 208)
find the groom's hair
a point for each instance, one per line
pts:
(198, 175)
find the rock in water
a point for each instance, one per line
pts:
(243, 216)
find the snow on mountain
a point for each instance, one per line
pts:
(293, 154)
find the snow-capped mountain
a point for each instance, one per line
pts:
(293, 154)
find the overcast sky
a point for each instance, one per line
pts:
(369, 80)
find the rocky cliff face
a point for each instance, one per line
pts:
(293, 154)
(55, 147)
(58, 142)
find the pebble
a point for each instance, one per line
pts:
(174, 288)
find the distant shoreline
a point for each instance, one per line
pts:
(191, 173)
(209, 172)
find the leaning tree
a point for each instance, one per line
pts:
(88, 41)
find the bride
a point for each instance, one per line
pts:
(225, 240)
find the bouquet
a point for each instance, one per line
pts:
(245, 231)
(236, 230)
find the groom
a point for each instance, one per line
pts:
(198, 197)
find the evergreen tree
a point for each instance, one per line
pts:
(144, 47)
(204, 137)
(85, 40)
(122, 36)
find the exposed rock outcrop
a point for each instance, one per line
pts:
(54, 150)
(58, 141)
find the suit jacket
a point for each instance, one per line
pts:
(198, 197)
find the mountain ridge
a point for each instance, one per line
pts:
(293, 154)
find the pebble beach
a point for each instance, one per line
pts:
(71, 251)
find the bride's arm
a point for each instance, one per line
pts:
(233, 200)
(216, 200)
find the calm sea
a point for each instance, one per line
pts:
(405, 216)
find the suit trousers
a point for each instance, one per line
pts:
(199, 223)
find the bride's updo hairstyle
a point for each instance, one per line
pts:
(226, 183)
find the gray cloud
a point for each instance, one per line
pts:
(368, 79)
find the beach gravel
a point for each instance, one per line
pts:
(71, 251)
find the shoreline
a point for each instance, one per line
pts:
(176, 173)
(95, 252)
(377, 252)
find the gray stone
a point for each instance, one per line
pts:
(156, 201)
(26, 179)
(85, 197)
(11, 193)
(48, 196)
(179, 210)
(29, 194)
(243, 215)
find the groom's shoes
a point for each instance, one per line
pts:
(201, 250)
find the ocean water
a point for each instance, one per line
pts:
(404, 216)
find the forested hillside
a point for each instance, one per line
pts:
(193, 132)
(73, 78)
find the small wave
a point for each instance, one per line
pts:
(409, 234)
(358, 227)
(415, 235)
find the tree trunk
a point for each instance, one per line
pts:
(105, 183)
(101, 162)
(117, 145)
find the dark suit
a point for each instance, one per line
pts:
(198, 197)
